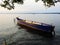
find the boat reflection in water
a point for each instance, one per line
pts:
(41, 28)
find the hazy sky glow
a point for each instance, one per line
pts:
(30, 6)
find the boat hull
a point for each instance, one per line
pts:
(36, 31)
(31, 27)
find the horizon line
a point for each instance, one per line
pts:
(30, 13)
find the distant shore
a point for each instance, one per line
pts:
(29, 13)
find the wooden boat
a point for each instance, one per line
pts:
(46, 28)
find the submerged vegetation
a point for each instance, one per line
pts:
(9, 4)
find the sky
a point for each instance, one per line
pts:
(30, 6)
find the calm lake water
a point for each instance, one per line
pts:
(15, 36)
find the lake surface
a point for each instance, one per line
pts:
(15, 36)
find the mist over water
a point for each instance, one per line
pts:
(10, 32)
